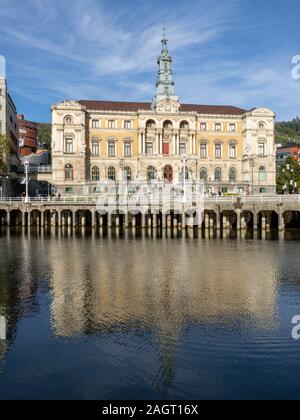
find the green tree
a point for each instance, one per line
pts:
(4, 150)
(288, 178)
(44, 133)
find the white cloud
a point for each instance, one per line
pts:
(108, 50)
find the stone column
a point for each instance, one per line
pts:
(163, 220)
(42, 218)
(255, 221)
(206, 221)
(8, 218)
(183, 218)
(101, 221)
(126, 220)
(238, 216)
(281, 222)
(60, 219)
(218, 220)
(263, 222)
(144, 221)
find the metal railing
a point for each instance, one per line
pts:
(275, 199)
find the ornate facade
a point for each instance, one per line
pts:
(231, 149)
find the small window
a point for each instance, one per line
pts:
(95, 174)
(203, 151)
(232, 175)
(232, 151)
(111, 148)
(149, 148)
(95, 124)
(218, 151)
(127, 148)
(203, 126)
(69, 173)
(112, 124)
(203, 174)
(232, 128)
(218, 127)
(127, 174)
(111, 173)
(182, 149)
(151, 173)
(262, 174)
(218, 175)
(95, 147)
(127, 125)
(69, 145)
(261, 149)
(69, 190)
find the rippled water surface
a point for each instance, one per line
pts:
(87, 317)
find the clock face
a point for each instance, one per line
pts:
(168, 108)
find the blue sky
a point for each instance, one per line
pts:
(234, 52)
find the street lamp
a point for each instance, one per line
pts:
(26, 182)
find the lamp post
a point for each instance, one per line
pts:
(26, 182)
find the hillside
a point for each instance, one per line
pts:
(44, 133)
(288, 132)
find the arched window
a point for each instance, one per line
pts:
(69, 172)
(111, 173)
(262, 174)
(151, 173)
(150, 124)
(168, 125)
(232, 175)
(203, 174)
(218, 175)
(184, 125)
(95, 173)
(127, 174)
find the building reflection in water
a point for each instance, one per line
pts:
(163, 287)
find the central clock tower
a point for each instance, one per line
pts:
(165, 99)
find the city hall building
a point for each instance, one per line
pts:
(231, 149)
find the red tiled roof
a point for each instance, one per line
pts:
(146, 106)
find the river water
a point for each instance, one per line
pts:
(84, 316)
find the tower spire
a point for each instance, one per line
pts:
(164, 83)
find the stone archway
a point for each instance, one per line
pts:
(168, 173)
